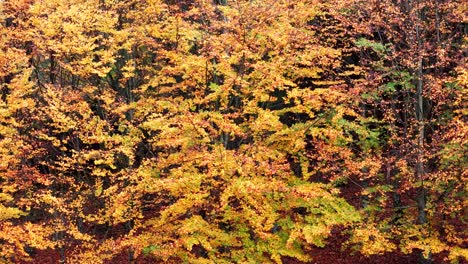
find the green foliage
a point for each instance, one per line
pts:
(379, 48)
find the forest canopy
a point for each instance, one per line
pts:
(232, 131)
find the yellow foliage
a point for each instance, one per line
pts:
(370, 240)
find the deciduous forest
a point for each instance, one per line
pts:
(233, 131)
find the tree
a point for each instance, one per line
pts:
(409, 50)
(228, 122)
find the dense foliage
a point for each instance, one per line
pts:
(219, 131)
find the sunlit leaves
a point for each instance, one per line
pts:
(371, 240)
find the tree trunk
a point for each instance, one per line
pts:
(421, 198)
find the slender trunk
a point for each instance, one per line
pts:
(52, 67)
(420, 174)
(59, 237)
(131, 252)
(420, 145)
(437, 13)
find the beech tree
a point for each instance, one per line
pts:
(411, 51)
(132, 110)
(227, 124)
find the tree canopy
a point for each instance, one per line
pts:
(232, 131)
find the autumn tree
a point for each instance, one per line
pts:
(228, 117)
(185, 123)
(410, 51)
(66, 123)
